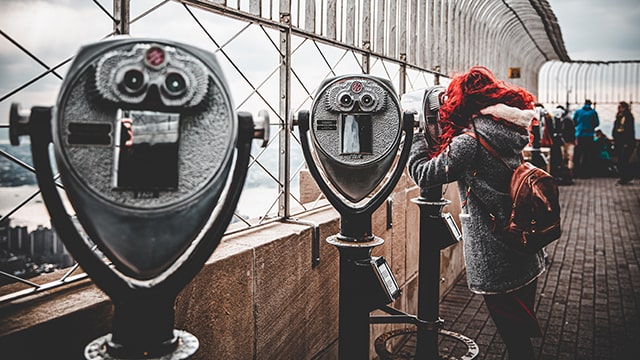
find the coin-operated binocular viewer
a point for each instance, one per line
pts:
(350, 140)
(153, 158)
(438, 231)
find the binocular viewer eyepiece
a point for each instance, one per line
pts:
(425, 103)
(354, 128)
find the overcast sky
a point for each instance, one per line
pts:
(599, 29)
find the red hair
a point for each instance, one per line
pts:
(471, 92)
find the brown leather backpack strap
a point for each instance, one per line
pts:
(489, 148)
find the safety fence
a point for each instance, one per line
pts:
(604, 82)
(274, 54)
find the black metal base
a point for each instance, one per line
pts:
(355, 295)
(401, 344)
(187, 346)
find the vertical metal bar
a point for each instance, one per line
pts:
(331, 19)
(559, 82)
(477, 38)
(548, 82)
(586, 83)
(594, 82)
(637, 79)
(458, 23)
(446, 31)
(422, 33)
(568, 87)
(624, 76)
(402, 30)
(575, 83)
(255, 7)
(614, 81)
(402, 86)
(609, 82)
(350, 23)
(431, 35)
(285, 99)
(438, 32)
(366, 36)
(468, 26)
(394, 31)
(462, 37)
(600, 86)
(121, 14)
(310, 15)
(380, 29)
(413, 33)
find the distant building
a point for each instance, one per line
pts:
(21, 251)
(19, 240)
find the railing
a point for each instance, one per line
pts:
(274, 55)
(603, 82)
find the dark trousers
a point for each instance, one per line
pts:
(556, 161)
(515, 319)
(584, 156)
(624, 152)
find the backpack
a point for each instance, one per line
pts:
(534, 221)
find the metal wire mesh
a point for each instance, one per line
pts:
(274, 55)
(252, 55)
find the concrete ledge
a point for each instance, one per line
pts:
(257, 297)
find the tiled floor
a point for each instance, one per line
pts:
(589, 297)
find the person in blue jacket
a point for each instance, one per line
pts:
(586, 121)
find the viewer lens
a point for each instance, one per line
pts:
(133, 80)
(175, 84)
(346, 100)
(367, 100)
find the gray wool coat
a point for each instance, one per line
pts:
(492, 268)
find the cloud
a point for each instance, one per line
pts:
(599, 30)
(52, 30)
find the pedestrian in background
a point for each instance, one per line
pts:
(567, 133)
(553, 127)
(586, 121)
(624, 140)
(603, 165)
(500, 114)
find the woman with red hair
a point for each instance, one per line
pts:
(500, 114)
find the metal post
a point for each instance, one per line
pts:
(354, 244)
(285, 110)
(354, 331)
(143, 327)
(121, 16)
(402, 86)
(431, 204)
(436, 77)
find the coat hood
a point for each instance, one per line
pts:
(511, 114)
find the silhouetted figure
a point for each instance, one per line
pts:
(586, 121)
(603, 164)
(553, 134)
(624, 139)
(564, 129)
